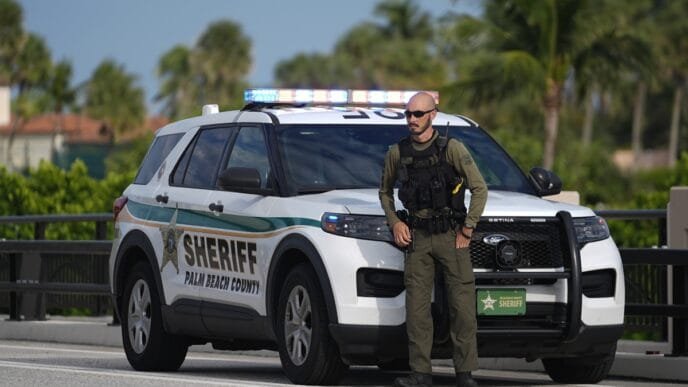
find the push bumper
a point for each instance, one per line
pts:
(364, 344)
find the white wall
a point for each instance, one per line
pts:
(28, 151)
(4, 105)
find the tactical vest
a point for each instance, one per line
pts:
(428, 181)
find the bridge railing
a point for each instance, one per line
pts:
(31, 282)
(27, 278)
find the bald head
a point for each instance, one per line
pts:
(421, 101)
(420, 111)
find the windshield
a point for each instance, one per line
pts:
(320, 158)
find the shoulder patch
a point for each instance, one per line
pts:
(466, 159)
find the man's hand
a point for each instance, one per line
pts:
(463, 240)
(402, 234)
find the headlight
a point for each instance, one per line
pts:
(590, 229)
(357, 226)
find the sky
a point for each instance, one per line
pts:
(137, 33)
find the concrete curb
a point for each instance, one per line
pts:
(631, 360)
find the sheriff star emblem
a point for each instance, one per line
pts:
(170, 238)
(488, 302)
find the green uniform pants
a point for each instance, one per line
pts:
(419, 275)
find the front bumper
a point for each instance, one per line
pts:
(364, 344)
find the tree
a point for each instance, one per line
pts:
(11, 37)
(112, 95)
(309, 71)
(599, 69)
(222, 58)
(213, 71)
(673, 49)
(393, 54)
(59, 95)
(29, 72)
(404, 20)
(536, 47)
(177, 92)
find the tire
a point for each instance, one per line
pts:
(307, 352)
(394, 365)
(147, 346)
(580, 370)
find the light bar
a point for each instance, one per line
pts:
(333, 97)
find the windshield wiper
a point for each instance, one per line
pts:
(315, 190)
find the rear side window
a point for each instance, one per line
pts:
(161, 147)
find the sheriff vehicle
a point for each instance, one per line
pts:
(261, 229)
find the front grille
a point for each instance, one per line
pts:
(542, 244)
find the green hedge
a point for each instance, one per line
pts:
(51, 190)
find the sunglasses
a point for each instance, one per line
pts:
(417, 113)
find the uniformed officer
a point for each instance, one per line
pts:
(434, 172)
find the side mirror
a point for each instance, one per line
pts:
(546, 182)
(239, 179)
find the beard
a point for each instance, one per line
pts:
(417, 130)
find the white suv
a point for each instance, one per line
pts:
(262, 229)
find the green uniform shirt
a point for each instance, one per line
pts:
(462, 161)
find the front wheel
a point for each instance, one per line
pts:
(308, 353)
(147, 346)
(584, 370)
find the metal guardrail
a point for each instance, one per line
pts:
(46, 249)
(676, 259)
(630, 256)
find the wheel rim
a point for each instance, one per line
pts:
(297, 325)
(139, 316)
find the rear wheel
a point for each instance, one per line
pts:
(308, 353)
(147, 346)
(580, 369)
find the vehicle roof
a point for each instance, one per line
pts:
(310, 115)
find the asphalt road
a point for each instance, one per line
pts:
(33, 364)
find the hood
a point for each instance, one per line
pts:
(516, 204)
(499, 204)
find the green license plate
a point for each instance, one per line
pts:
(501, 302)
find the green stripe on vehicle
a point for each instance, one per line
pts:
(221, 221)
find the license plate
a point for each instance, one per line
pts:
(501, 302)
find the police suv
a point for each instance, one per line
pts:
(262, 229)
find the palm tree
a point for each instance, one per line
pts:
(178, 92)
(30, 72)
(404, 20)
(11, 37)
(221, 59)
(394, 54)
(213, 71)
(308, 71)
(111, 95)
(534, 47)
(673, 49)
(59, 95)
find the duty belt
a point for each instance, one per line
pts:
(438, 224)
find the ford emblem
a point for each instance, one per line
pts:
(495, 239)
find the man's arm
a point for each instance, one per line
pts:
(463, 162)
(389, 177)
(477, 186)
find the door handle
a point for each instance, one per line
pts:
(162, 199)
(216, 207)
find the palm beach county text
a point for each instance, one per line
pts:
(224, 255)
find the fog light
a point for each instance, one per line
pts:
(508, 255)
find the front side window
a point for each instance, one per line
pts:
(250, 151)
(198, 167)
(161, 147)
